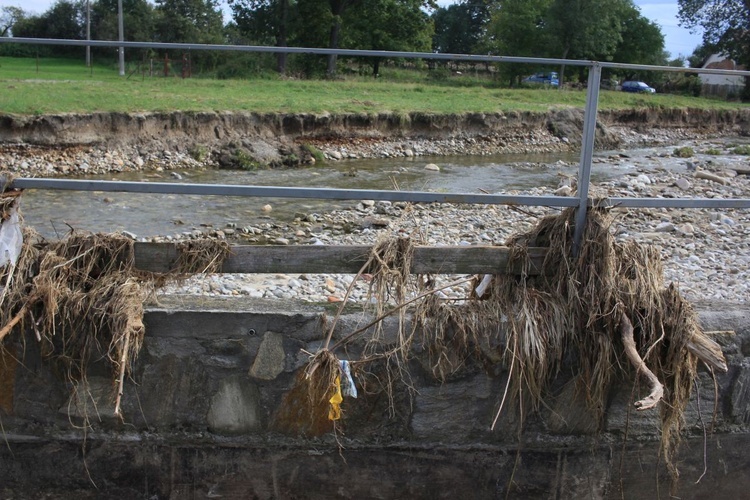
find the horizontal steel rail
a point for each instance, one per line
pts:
(290, 192)
(366, 194)
(363, 53)
(718, 203)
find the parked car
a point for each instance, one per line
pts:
(637, 87)
(543, 78)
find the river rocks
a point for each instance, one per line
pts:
(432, 167)
(35, 161)
(707, 252)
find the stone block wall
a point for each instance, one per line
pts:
(199, 415)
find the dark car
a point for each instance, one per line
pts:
(543, 78)
(634, 86)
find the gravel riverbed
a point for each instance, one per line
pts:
(705, 252)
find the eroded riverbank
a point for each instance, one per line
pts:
(113, 142)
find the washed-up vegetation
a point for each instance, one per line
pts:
(604, 310)
(82, 298)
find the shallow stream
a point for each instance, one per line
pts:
(52, 213)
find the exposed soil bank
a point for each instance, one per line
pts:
(273, 139)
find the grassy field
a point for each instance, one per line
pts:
(45, 86)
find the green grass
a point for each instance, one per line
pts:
(47, 86)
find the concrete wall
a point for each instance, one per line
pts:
(199, 414)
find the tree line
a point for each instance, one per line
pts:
(604, 30)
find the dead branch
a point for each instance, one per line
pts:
(121, 376)
(708, 351)
(13, 322)
(657, 389)
(483, 285)
(702, 174)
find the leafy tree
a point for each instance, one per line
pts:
(725, 23)
(9, 16)
(399, 25)
(337, 10)
(138, 19)
(264, 21)
(642, 41)
(329, 18)
(191, 21)
(62, 20)
(460, 28)
(678, 62)
(726, 27)
(65, 19)
(304, 33)
(518, 28)
(585, 29)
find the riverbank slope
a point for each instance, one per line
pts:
(70, 144)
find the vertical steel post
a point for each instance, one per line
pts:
(121, 37)
(587, 152)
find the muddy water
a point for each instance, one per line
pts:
(52, 213)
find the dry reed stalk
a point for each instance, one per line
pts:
(200, 256)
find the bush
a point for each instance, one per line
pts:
(245, 161)
(317, 154)
(199, 153)
(712, 151)
(243, 66)
(684, 152)
(23, 50)
(741, 150)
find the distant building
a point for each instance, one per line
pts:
(721, 85)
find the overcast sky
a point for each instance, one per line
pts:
(677, 40)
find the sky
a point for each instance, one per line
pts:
(678, 41)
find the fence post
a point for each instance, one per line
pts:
(587, 152)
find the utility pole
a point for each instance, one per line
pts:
(121, 38)
(88, 33)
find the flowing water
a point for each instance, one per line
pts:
(52, 213)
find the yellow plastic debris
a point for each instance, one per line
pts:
(335, 412)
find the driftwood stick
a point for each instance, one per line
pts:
(123, 363)
(13, 322)
(657, 389)
(702, 174)
(483, 285)
(708, 351)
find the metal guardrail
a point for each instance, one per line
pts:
(471, 58)
(581, 202)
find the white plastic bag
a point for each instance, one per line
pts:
(11, 238)
(347, 382)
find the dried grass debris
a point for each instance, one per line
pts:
(573, 311)
(83, 298)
